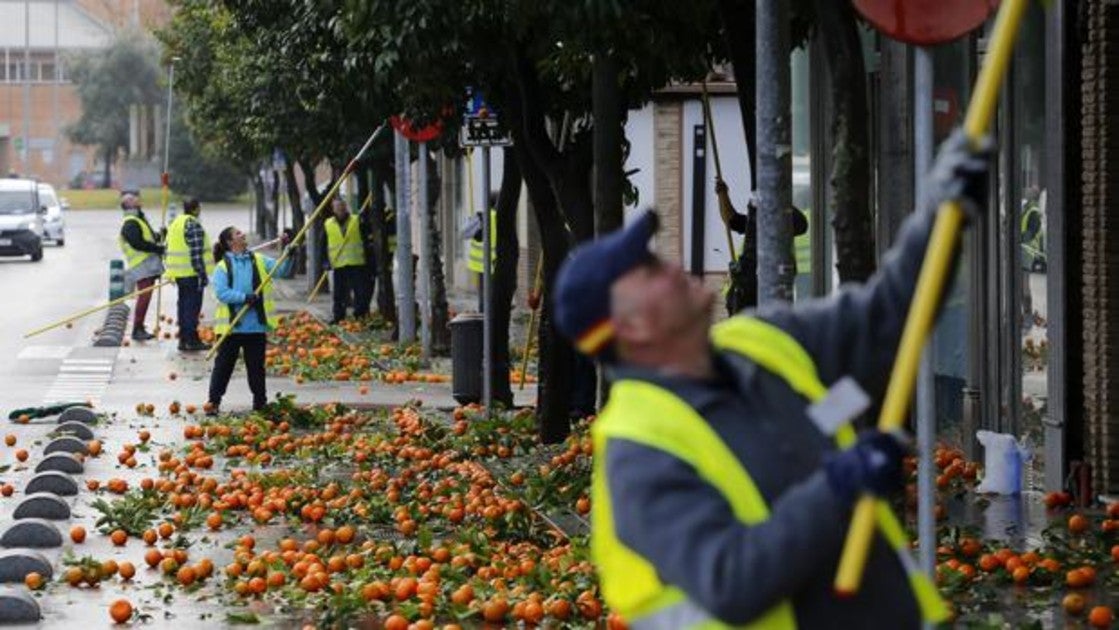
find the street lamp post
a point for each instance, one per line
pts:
(165, 180)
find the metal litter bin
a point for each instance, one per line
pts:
(466, 357)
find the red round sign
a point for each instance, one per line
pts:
(925, 22)
(423, 134)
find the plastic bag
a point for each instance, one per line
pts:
(1003, 463)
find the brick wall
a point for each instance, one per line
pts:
(669, 155)
(1099, 240)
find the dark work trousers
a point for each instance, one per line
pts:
(142, 302)
(253, 345)
(189, 307)
(351, 287)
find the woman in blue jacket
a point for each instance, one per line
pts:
(238, 278)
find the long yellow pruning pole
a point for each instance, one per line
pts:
(165, 180)
(301, 233)
(100, 307)
(537, 288)
(322, 279)
(930, 285)
(707, 120)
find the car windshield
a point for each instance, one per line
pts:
(47, 198)
(16, 202)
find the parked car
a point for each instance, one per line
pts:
(54, 223)
(21, 219)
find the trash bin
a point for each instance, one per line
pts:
(466, 357)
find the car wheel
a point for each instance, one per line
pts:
(37, 256)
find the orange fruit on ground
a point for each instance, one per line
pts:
(186, 576)
(1078, 578)
(396, 622)
(1101, 617)
(1073, 603)
(1021, 575)
(494, 610)
(77, 534)
(153, 557)
(150, 537)
(989, 562)
(23, 418)
(213, 521)
(22, 455)
(120, 610)
(10, 439)
(94, 447)
(126, 570)
(33, 581)
(7, 489)
(1077, 524)
(119, 537)
(166, 530)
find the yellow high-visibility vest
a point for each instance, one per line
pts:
(650, 415)
(476, 254)
(223, 315)
(132, 256)
(177, 258)
(344, 249)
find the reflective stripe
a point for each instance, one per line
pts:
(222, 314)
(475, 253)
(177, 258)
(133, 257)
(344, 249)
(685, 614)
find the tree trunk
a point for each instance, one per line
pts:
(440, 315)
(557, 357)
(850, 176)
(297, 218)
(738, 31)
(608, 134)
(775, 234)
(382, 253)
(108, 175)
(505, 275)
(259, 202)
(275, 221)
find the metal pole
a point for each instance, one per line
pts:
(926, 394)
(170, 97)
(165, 181)
(25, 156)
(775, 238)
(425, 251)
(487, 286)
(405, 295)
(56, 145)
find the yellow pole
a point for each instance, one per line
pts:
(536, 288)
(707, 120)
(300, 234)
(930, 285)
(93, 310)
(318, 287)
(166, 198)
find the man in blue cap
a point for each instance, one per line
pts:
(719, 494)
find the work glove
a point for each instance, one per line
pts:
(161, 249)
(873, 465)
(251, 299)
(961, 172)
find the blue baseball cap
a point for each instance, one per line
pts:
(582, 291)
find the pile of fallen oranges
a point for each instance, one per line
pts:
(413, 517)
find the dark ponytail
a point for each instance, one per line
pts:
(221, 246)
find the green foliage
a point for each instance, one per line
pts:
(195, 174)
(108, 82)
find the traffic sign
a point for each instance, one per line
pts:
(483, 132)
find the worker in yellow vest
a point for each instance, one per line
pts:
(143, 261)
(475, 253)
(741, 287)
(189, 264)
(722, 488)
(345, 249)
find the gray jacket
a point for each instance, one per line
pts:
(686, 529)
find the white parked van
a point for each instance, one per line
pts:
(54, 224)
(21, 219)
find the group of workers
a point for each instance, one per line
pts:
(182, 252)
